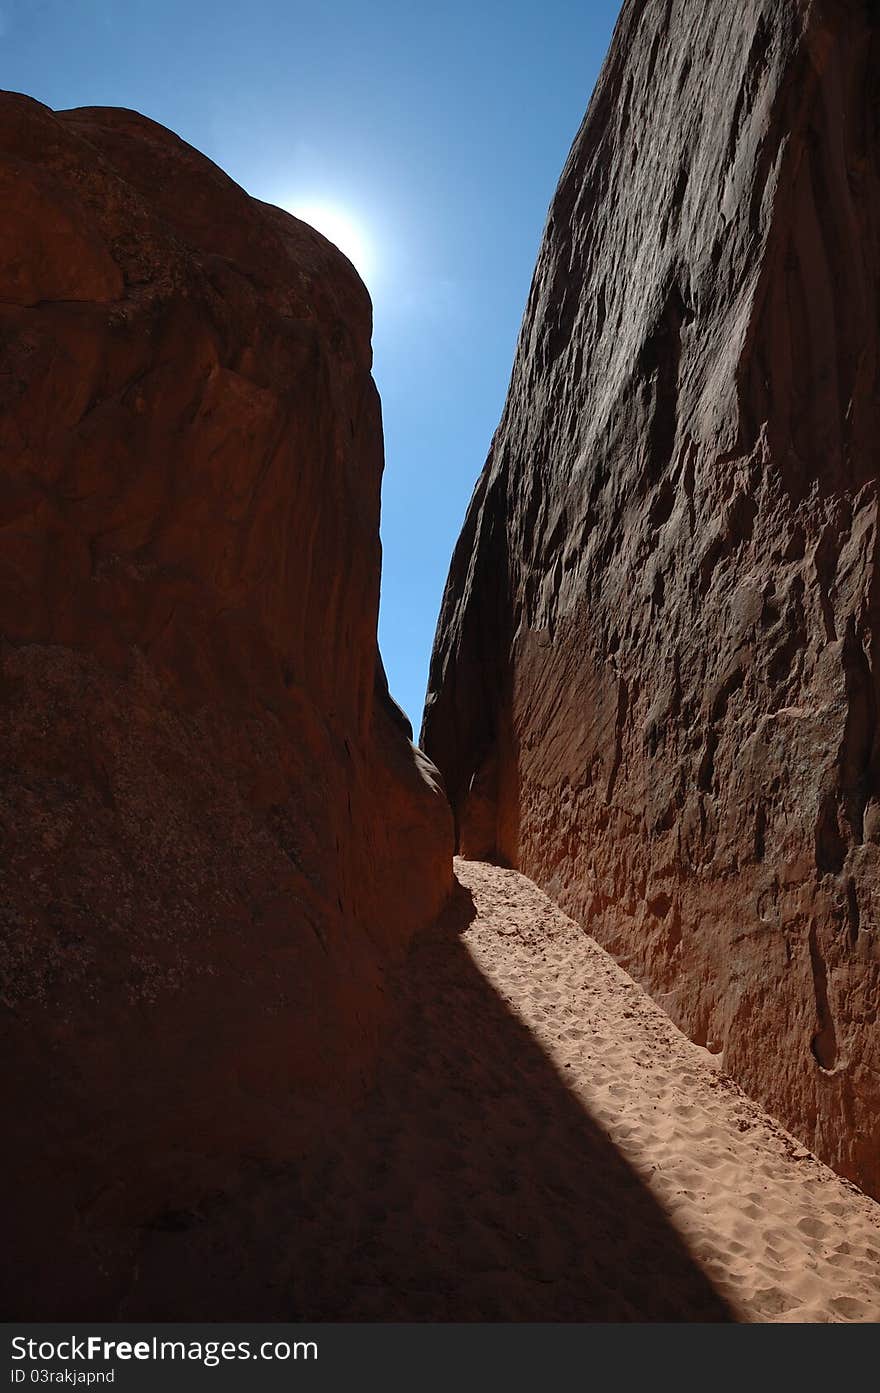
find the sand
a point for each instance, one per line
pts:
(542, 1144)
(781, 1236)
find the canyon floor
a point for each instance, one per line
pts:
(542, 1144)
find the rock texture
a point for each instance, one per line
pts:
(215, 832)
(656, 679)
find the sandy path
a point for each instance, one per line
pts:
(542, 1144)
(782, 1237)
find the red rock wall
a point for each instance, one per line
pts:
(214, 830)
(655, 680)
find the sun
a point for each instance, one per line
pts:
(342, 229)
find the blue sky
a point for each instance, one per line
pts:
(438, 130)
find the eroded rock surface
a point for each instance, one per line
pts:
(655, 680)
(215, 831)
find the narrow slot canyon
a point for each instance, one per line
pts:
(567, 1009)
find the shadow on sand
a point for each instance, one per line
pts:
(470, 1185)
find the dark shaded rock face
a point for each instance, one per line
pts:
(215, 833)
(655, 680)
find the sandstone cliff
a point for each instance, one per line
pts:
(654, 687)
(215, 830)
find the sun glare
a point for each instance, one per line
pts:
(343, 230)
